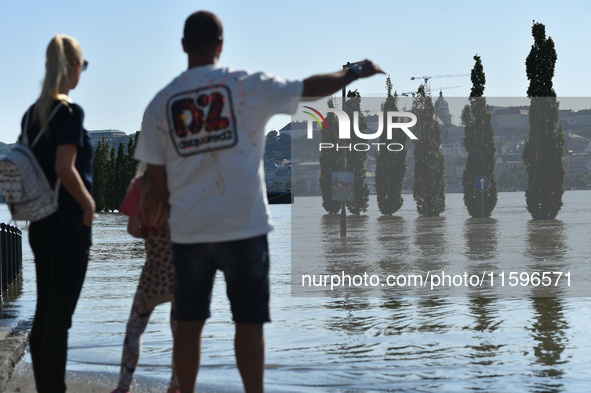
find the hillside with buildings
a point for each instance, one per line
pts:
(511, 124)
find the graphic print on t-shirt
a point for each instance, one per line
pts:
(202, 120)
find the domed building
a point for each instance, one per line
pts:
(442, 110)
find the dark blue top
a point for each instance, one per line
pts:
(65, 128)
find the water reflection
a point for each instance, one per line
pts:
(355, 242)
(546, 249)
(481, 252)
(484, 351)
(432, 313)
(392, 233)
(481, 238)
(549, 334)
(13, 291)
(430, 241)
(485, 314)
(398, 318)
(393, 248)
(345, 256)
(353, 316)
(546, 240)
(9, 314)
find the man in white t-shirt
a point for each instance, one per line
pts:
(203, 139)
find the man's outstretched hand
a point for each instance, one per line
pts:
(323, 85)
(368, 68)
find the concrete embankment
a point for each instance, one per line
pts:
(13, 344)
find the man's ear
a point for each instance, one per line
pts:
(184, 46)
(220, 47)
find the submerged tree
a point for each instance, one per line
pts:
(130, 164)
(101, 175)
(356, 159)
(113, 170)
(330, 161)
(390, 165)
(111, 194)
(543, 154)
(120, 175)
(479, 141)
(429, 184)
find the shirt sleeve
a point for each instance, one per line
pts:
(273, 94)
(70, 130)
(131, 202)
(152, 139)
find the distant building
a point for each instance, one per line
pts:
(452, 132)
(574, 143)
(510, 118)
(575, 163)
(113, 137)
(373, 123)
(570, 118)
(304, 177)
(509, 162)
(442, 109)
(298, 129)
(454, 149)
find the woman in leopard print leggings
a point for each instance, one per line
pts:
(148, 220)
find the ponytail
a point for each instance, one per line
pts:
(63, 53)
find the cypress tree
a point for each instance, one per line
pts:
(330, 161)
(543, 154)
(130, 162)
(356, 159)
(390, 166)
(111, 190)
(120, 181)
(479, 141)
(101, 175)
(429, 184)
(96, 162)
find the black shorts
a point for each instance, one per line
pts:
(245, 264)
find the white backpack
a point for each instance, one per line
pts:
(24, 186)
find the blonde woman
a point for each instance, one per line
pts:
(60, 242)
(148, 219)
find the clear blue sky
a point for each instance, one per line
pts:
(134, 47)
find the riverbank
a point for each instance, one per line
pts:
(22, 381)
(13, 343)
(16, 374)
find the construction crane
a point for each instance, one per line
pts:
(413, 93)
(446, 88)
(426, 78)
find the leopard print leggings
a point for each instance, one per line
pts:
(155, 287)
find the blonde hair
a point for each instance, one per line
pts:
(63, 54)
(153, 212)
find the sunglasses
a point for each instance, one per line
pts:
(84, 65)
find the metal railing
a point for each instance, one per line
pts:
(11, 254)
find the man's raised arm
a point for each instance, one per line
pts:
(323, 85)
